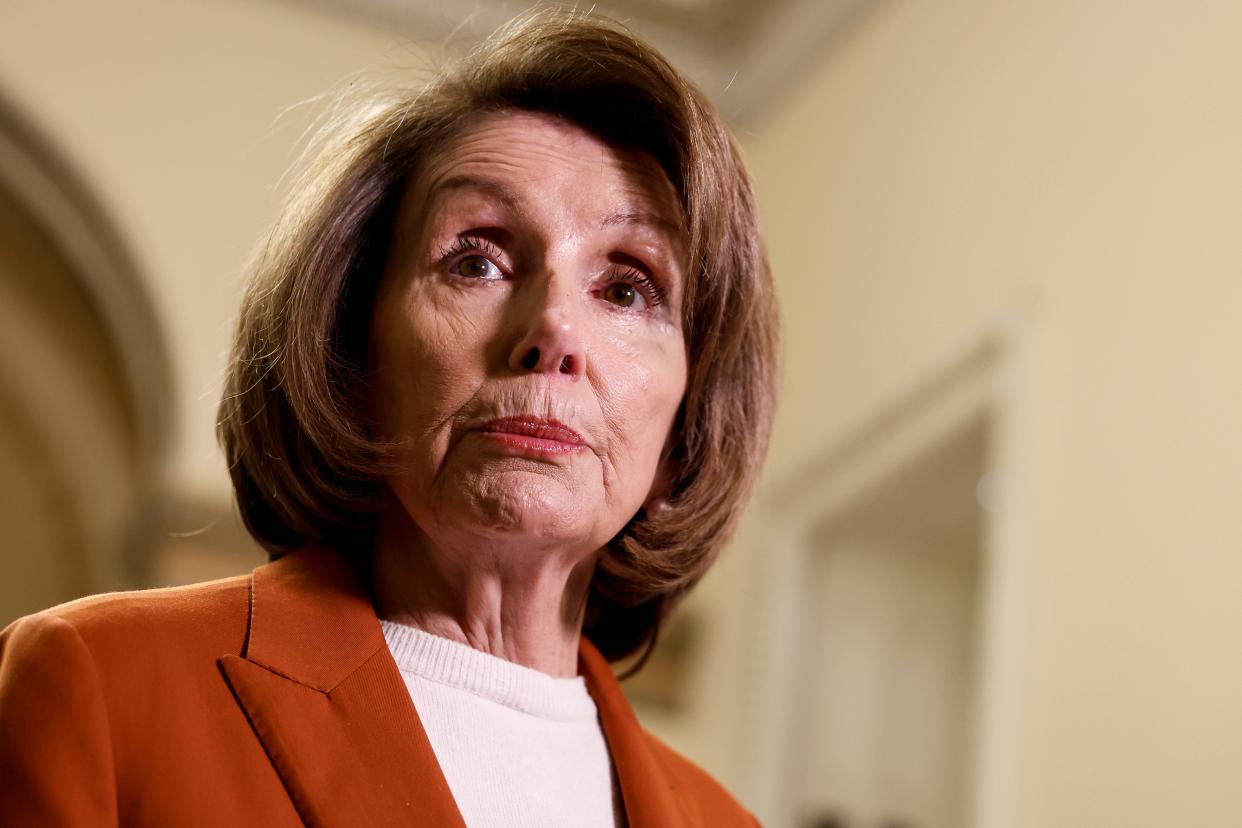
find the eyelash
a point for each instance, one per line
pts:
(477, 244)
(470, 244)
(653, 292)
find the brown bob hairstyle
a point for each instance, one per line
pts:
(292, 420)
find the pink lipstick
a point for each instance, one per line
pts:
(533, 435)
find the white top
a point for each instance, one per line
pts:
(517, 746)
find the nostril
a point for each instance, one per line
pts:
(567, 365)
(531, 360)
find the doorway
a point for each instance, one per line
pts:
(889, 695)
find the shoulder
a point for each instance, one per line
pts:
(132, 627)
(697, 790)
(206, 608)
(113, 674)
(94, 688)
(165, 603)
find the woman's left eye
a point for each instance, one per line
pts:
(621, 294)
(632, 288)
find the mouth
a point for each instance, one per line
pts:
(532, 436)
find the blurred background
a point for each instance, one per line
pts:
(992, 577)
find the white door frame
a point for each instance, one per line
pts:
(988, 377)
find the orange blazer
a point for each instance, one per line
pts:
(269, 699)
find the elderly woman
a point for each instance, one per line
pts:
(501, 386)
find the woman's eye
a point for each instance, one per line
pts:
(476, 267)
(621, 294)
(632, 288)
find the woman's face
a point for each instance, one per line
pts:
(526, 346)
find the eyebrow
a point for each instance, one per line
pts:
(512, 199)
(641, 217)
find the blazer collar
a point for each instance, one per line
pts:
(325, 697)
(311, 618)
(647, 792)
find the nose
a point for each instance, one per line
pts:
(551, 339)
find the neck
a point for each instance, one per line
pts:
(519, 601)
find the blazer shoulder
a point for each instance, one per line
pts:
(95, 690)
(699, 791)
(214, 613)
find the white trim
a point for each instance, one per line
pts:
(1003, 591)
(988, 378)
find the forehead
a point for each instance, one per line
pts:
(534, 162)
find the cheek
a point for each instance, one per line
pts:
(644, 390)
(427, 361)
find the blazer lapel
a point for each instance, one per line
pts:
(324, 696)
(648, 796)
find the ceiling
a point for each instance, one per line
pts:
(745, 54)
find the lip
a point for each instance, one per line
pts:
(532, 435)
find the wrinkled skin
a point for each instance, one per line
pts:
(534, 272)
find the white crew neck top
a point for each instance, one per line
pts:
(518, 747)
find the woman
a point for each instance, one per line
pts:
(501, 385)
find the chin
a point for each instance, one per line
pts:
(540, 509)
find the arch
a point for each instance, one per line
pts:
(85, 378)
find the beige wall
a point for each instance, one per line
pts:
(1075, 164)
(181, 117)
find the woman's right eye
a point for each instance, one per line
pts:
(474, 257)
(475, 266)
